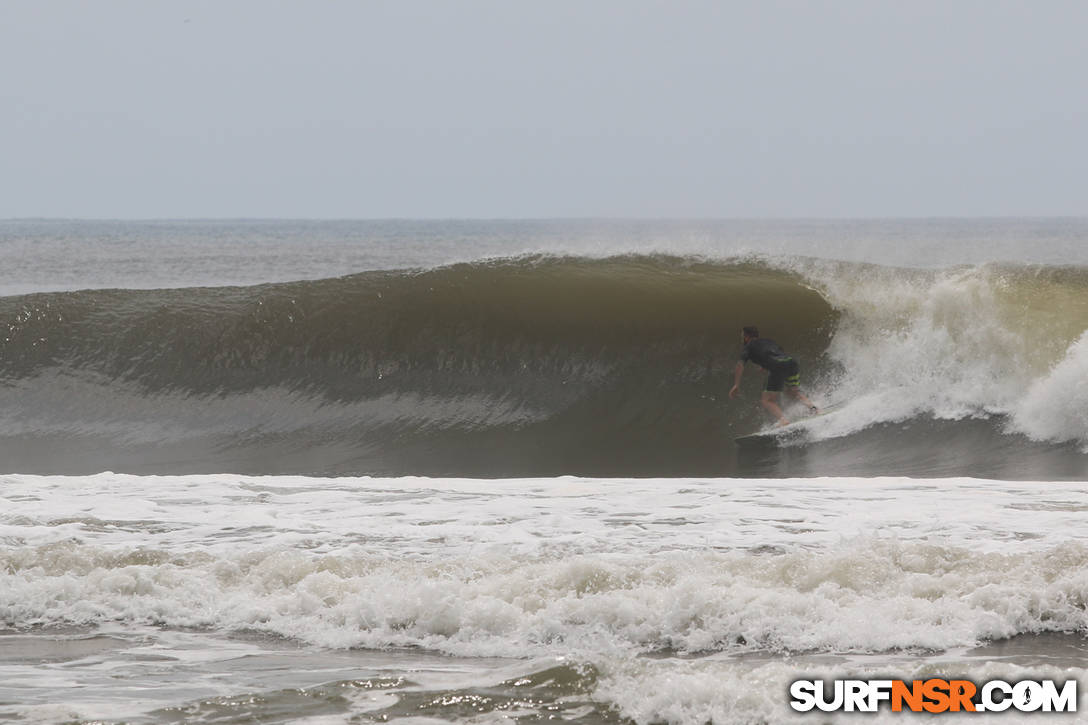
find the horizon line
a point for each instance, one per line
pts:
(935, 217)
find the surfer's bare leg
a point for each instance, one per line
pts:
(770, 402)
(796, 394)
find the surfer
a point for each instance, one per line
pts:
(783, 372)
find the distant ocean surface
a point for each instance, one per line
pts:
(472, 471)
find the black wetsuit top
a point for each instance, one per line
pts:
(783, 369)
(765, 353)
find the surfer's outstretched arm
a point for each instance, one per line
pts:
(736, 380)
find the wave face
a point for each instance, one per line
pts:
(552, 365)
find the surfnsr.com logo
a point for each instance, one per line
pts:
(933, 695)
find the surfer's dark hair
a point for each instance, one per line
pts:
(751, 331)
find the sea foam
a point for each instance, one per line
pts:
(508, 568)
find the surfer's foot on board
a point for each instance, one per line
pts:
(782, 422)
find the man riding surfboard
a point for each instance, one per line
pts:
(784, 372)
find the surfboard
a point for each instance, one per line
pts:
(776, 435)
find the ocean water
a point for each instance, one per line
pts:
(452, 471)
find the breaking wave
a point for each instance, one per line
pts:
(551, 365)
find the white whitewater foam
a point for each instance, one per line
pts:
(952, 344)
(1055, 407)
(506, 568)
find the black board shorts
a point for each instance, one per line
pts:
(785, 372)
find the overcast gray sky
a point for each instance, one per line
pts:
(617, 108)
